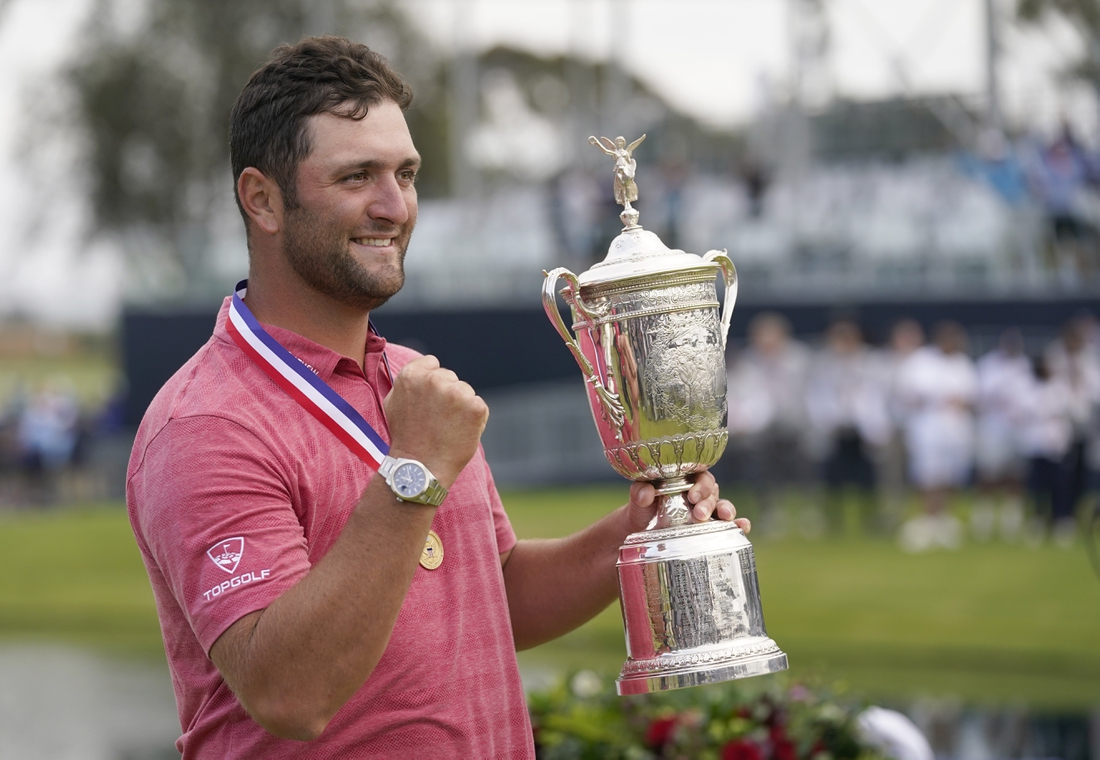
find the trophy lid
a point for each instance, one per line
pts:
(638, 253)
(635, 253)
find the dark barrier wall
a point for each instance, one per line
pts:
(487, 348)
(494, 348)
(154, 346)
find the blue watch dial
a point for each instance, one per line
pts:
(409, 480)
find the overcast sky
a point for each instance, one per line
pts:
(719, 60)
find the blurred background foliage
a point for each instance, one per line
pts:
(154, 94)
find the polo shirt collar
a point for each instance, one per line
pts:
(324, 361)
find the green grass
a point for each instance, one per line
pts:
(989, 624)
(76, 576)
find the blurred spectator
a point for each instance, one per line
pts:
(905, 338)
(1046, 432)
(767, 400)
(669, 189)
(756, 186)
(574, 200)
(1076, 361)
(10, 455)
(1004, 378)
(1061, 177)
(48, 430)
(937, 386)
(846, 405)
(1090, 328)
(995, 163)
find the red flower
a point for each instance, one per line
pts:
(660, 731)
(741, 749)
(784, 749)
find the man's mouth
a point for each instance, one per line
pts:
(373, 242)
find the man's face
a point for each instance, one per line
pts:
(357, 207)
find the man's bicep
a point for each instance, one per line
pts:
(214, 512)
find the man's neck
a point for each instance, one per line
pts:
(310, 314)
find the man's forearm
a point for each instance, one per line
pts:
(555, 585)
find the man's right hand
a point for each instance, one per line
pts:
(435, 418)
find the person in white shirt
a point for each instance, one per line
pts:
(1046, 420)
(767, 402)
(1004, 377)
(906, 336)
(1076, 362)
(937, 387)
(846, 405)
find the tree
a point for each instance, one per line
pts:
(153, 102)
(1084, 15)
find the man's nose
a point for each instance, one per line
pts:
(389, 202)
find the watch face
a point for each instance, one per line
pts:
(409, 480)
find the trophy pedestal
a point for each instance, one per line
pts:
(691, 609)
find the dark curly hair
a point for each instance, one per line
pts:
(267, 127)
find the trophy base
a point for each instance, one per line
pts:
(666, 677)
(691, 609)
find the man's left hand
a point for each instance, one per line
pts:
(703, 496)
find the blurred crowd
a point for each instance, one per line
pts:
(1005, 213)
(856, 431)
(45, 436)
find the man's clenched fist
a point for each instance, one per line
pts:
(434, 417)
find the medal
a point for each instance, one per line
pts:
(432, 556)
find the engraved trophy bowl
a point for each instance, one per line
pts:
(650, 342)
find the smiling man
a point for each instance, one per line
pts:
(311, 608)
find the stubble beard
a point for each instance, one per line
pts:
(320, 254)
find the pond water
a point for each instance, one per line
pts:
(59, 703)
(957, 731)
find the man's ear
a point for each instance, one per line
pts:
(261, 198)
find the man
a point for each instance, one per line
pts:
(304, 608)
(847, 411)
(776, 366)
(937, 386)
(1004, 386)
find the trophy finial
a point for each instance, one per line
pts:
(626, 190)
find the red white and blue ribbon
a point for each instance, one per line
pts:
(292, 375)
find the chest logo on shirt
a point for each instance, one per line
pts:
(227, 553)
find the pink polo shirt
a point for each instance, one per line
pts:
(235, 491)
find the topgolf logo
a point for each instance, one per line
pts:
(227, 553)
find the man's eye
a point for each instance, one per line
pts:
(408, 176)
(356, 177)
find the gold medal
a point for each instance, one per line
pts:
(432, 556)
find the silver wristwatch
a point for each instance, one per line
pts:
(412, 481)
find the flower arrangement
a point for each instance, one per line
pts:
(581, 718)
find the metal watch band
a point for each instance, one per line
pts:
(434, 494)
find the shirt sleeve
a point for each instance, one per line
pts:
(212, 510)
(506, 536)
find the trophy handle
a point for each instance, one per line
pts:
(729, 274)
(609, 401)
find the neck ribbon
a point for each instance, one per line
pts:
(302, 384)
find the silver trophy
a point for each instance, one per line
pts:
(649, 339)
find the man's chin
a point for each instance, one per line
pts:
(374, 295)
